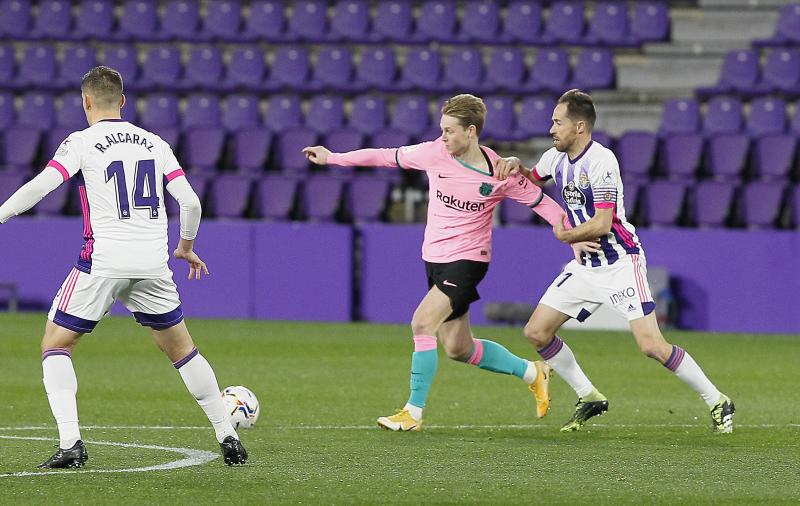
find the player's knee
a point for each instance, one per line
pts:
(537, 336)
(420, 325)
(458, 352)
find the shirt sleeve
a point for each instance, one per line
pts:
(420, 156)
(30, 194)
(68, 158)
(370, 157)
(543, 170)
(604, 179)
(525, 192)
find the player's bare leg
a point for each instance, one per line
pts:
(428, 318)
(652, 343)
(541, 333)
(61, 385)
(199, 378)
(459, 344)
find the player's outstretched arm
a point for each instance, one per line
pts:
(370, 157)
(29, 194)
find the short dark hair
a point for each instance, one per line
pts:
(580, 106)
(467, 109)
(104, 84)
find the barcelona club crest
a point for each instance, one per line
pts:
(486, 189)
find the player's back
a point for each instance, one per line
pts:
(121, 170)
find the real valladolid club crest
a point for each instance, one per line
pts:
(485, 189)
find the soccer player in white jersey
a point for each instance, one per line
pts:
(587, 175)
(122, 171)
(457, 249)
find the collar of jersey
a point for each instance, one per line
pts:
(479, 171)
(112, 120)
(572, 162)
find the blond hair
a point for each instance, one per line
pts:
(467, 109)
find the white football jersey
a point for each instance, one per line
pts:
(121, 171)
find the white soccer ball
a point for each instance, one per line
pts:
(241, 405)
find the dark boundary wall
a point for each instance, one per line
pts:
(725, 280)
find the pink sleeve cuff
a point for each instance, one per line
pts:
(604, 205)
(174, 174)
(60, 168)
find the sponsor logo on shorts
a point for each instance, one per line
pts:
(624, 294)
(445, 282)
(631, 308)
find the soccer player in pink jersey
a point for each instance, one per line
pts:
(122, 172)
(587, 175)
(457, 248)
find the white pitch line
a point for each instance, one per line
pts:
(191, 458)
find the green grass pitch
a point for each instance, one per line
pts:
(321, 387)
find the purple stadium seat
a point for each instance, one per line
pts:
(377, 68)
(343, 140)
(38, 110)
(8, 66)
(203, 148)
(325, 113)
(368, 197)
(266, 21)
(368, 114)
(162, 68)
(160, 110)
(70, 112)
(500, 124)
(275, 196)
(123, 59)
(535, 117)
(246, 69)
(321, 197)
(20, 146)
(550, 71)
(333, 69)
(6, 111)
(76, 62)
(240, 111)
(480, 22)
(565, 23)
(54, 20)
(631, 193)
(203, 69)
(680, 116)
(229, 195)
(139, 21)
(723, 116)
(609, 25)
(726, 156)
(389, 138)
(10, 183)
(291, 142)
(202, 110)
(594, 70)
(464, 71)
(681, 155)
(711, 203)
(181, 20)
(15, 19)
(350, 20)
(650, 22)
(760, 203)
(603, 138)
(393, 21)
(223, 20)
(794, 127)
(739, 73)
(523, 22)
(422, 70)
(410, 114)
(505, 70)
(436, 21)
(795, 205)
(514, 213)
(95, 20)
(636, 151)
(773, 156)
(781, 72)
(787, 29)
(129, 109)
(309, 20)
(251, 147)
(767, 116)
(55, 202)
(663, 202)
(283, 112)
(37, 67)
(291, 68)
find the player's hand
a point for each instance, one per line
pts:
(317, 154)
(560, 231)
(505, 167)
(584, 247)
(196, 265)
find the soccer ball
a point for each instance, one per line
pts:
(242, 406)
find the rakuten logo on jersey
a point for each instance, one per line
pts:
(458, 204)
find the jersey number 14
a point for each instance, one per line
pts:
(144, 187)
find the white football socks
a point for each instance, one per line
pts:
(61, 386)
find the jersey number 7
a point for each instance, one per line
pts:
(145, 178)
